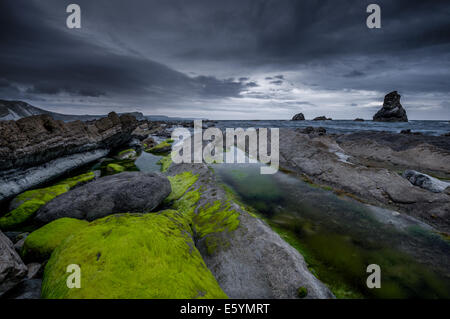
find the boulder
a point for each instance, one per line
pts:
(358, 120)
(392, 110)
(124, 192)
(425, 181)
(133, 256)
(298, 117)
(12, 269)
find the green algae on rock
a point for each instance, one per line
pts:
(132, 256)
(27, 203)
(40, 244)
(31, 202)
(115, 168)
(163, 147)
(180, 184)
(165, 162)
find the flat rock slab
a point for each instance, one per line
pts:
(128, 192)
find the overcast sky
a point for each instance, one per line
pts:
(234, 59)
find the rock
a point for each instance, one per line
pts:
(28, 146)
(371, 175)
(313, 130)
(162, 148)
(114, 168)
(248, 259)
(359, 120)
(298, 117)
(133, 256)
(141, 132)
(23, 207)
(124, 192)
(42, 242)
(392, 110)
(34, 270)
(425, 181)
(18, 246)
(27, 289)
(149, 143)
(16, 181)
(322, 118)
(127, 154)
(12, 269)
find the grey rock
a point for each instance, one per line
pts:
(253, 261)
(12, 269)
(18, 246)
(392, 110)
(425, 181)
(27, 289)
(322, 118)
(16, 181)
(34, 270)
(121, 193)
(298, 117)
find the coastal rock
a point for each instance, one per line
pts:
(36, 140)
(149, 142)
(248, 259)
(12, 269)
(322, 118)
(27, 289)
(298, 117)
(124, 192)
(133, 256)
(425, 181)
(358, 120)
(392, 110)
(374, 181)
(16, 181)
(313, 130)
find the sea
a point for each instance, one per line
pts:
(435, 128)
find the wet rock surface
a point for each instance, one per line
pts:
(392, 110)
(124, 192)
(251, 261)
(346, 167)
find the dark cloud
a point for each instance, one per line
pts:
(177, 53)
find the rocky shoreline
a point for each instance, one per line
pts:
(216, 237)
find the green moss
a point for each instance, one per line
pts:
(187, 204)
(130, 150)
(180, 184)
(162, 147)
(30, 202)
(77, 180)
(40, 244)
(302, 292)
(115, 168)
(165, 162)
(132, 256)
(212, 220)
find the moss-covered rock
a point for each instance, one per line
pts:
(127, 154)
(302, 292)
(161, 148)
(180, 184)
(165, 162)
(40, 244)
(31, 202)
(132, 256)
(27, 203)
(115, 168)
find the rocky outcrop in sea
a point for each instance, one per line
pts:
(392, 110)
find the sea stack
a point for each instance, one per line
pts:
(392, 110)
(298, 117)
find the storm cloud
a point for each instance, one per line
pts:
(227, 59)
